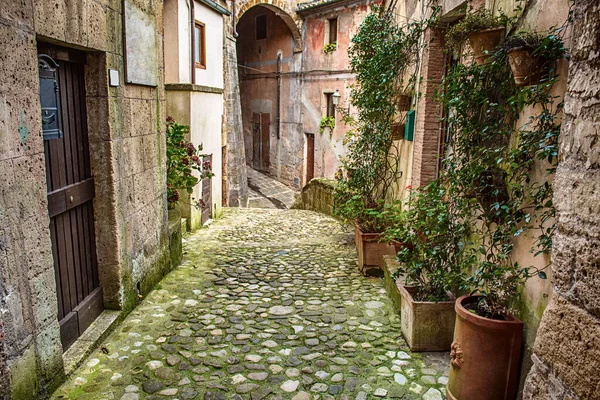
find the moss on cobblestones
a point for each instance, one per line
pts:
(266, 304)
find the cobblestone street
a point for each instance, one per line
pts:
(267, 304)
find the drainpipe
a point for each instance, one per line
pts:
(233, 16)
(279, 57)
(192, 40)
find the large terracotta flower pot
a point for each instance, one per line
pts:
(527, 68)
(485, 42)
(371, 252)
(485, 356)
(426, 325)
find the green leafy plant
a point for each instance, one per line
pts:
(327, 122)
(382, 55)
(436, 257)
(474, 21)
(549, 47)
(329, 47)
(488, 171)
(182, 159)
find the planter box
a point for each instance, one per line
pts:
(390, 266)
(371, 252)
(426, 326)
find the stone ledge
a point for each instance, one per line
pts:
(87, 342)
(189, 87)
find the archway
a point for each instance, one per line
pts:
(269, 62)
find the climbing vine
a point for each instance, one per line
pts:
(383, 56)
(490, 162)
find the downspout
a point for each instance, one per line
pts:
(233, 17)
(279, 56)
(192, 41)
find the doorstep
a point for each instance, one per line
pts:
(91, 338)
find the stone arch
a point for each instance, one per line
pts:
(282, 10)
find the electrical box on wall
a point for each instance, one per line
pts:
(409, 128)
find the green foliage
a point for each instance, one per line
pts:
(550, 47)
(183, 158)
(437, 256)
(473, 22)
(329, 48)
(327, 122)
(488, 167)
(382, 56)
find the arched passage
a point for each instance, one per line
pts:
(280, 9)
(270, 92)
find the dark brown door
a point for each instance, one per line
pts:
(261, 141)
(310, 156)
(70, 189)
(265, 130)
(206, 194)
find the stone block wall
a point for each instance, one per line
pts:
(567, 348)
(126, 134)
(317, 195)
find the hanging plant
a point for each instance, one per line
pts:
(532, 56)
(327, 122)
(329, 48)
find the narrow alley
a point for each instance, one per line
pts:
(266, 304)
(266, 192)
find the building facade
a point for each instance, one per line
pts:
(194, 83)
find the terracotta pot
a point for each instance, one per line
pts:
(485, 356)
(371, 252)
(426, 326)
(485, 42)
(527, 69)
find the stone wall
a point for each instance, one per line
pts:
(126, 134)
(317, 195)
(567, 348)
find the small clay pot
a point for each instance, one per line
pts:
(485, 356)
(527, 68)
(485, 42)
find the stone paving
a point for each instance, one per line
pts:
(267, 304)
(266, 192)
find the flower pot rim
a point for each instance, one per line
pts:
(403, 291)
(521, 48)
(500, 28)
(465, 314)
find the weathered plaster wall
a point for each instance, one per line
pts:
(258, 92)
(325, 73)
(127, 155)
(567, 349)
(200, 106)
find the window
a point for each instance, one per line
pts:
(330, 109)
(199, 45)
(261, 27)
(333, 28)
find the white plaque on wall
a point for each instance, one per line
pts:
(141, 59)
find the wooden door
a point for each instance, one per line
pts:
(310, 156)
(265, 137)
(70, 188)
(206, 193)
(261, 141)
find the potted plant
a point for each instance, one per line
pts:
(486, 351)
(433, 265)
(532, 56)
(483, 30)
(372, 158)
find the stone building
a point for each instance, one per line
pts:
(293, 66)
(83, 216)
